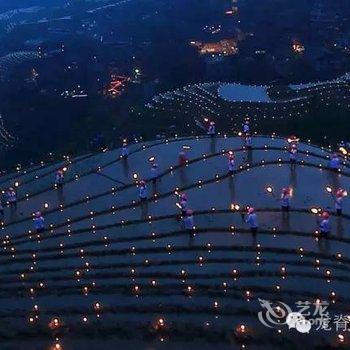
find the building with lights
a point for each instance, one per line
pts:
(225, 47)
(116, 86)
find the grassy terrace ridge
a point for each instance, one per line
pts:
(53, 164)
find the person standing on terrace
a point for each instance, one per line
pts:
(293, 153)
(211, 129)
(248, 141)
(59, 178)
(286, 197)
(183, 204)
(154, 173)
(39, 222)
(12, 198)
(231, 163)
(338, 200)
(188, 221)
(125, 151)
(2, 211)
(246, 126)
(324, 224)
(182, 158)
(252, 220)
(142, 191)
(334, 162)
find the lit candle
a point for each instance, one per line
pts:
(314, 210)
(242, 331)
(343, 151)
(235, 207)
(54, 323)
(269, 189)
(97, 306)
(329, 189)
(161, 323)
(341, 338)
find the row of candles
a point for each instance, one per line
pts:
(243, 329)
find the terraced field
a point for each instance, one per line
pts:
(111, 271)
